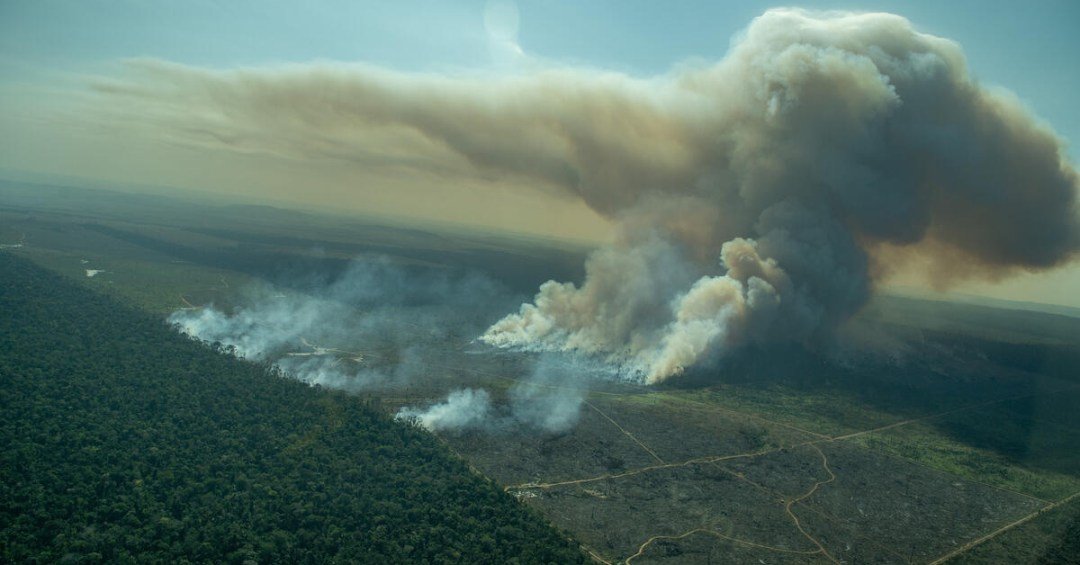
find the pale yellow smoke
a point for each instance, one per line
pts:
(751, 196)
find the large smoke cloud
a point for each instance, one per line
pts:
(819, 146)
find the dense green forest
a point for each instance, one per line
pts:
(124, 441)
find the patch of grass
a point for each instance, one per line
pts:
(818, 412)
(154, 286)
(163, 287)
(1023, 438)
(928, 445)
(1058, 407)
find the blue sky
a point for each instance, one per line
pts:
(1029, 48)
(49, 48)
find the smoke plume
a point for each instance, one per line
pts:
(550, 398)
(462, 409)
(383, 326)
(377, 324)
(757, 199)
(547, 399)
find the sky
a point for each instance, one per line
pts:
(58, 59)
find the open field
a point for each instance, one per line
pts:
(860, 504)
(772, 457)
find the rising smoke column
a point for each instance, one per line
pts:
(756, 200)
(825, 139)
(463, 409)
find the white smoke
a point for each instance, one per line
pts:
(462, 410)
(376, 324)
(818, 141)
(548, 399)
(606, 315)
(551, 397)
(758, 199)
(316, 337)
(262, 330)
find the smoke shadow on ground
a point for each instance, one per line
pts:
(309, 264)
(1016, 397)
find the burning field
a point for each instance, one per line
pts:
(724, 379)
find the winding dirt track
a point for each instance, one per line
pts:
(792, 502)
(808, 494)
(787, 508)
(789, 503)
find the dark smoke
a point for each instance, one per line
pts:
(759, 199)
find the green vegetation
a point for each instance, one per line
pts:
(122, 441)
(263, 241)
(925, 444)
(1025, 444)
(158, 287)
(821, 412)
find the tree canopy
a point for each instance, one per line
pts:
(124, 441)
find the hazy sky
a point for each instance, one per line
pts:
(54, 56)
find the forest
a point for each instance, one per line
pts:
(121, 440)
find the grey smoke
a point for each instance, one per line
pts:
(825, 139)
(550, 398)
(757, 199)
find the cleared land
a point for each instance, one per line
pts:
(966, 448)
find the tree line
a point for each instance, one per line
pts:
(124, 441)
